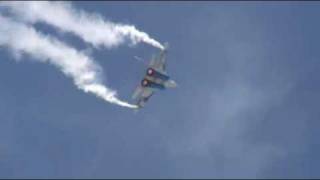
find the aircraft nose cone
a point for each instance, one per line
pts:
(172, 84)
(175, 84)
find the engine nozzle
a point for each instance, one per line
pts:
(144, 82)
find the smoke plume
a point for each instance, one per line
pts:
(20, 37)
(90, 27)
(23, 39)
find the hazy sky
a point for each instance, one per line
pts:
(247, 104)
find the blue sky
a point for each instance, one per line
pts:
(246, 105)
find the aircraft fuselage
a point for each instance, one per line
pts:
(157, 80)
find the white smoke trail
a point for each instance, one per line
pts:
(92, 28)
(86, 74)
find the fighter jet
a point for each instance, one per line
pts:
(156, 78)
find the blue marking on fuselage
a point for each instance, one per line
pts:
(155, 85)
(159, 75)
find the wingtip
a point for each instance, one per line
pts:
(166, 43)
(166, 46)
(137, 109)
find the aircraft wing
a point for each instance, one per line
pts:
(142, 94)
(159, 62)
